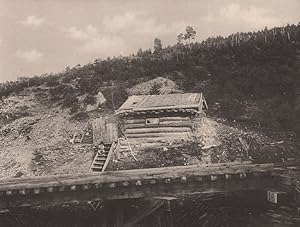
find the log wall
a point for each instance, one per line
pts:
(168, 127)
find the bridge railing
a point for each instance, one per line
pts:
(137, 183)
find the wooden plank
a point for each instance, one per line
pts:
(160, 134)
(132, 175)
(162, 124)
(134, 121)
(191, 106)
(201, 103)
(157, 130)
(151, 171)
(104, 130)
(225, 165)
(144, 213)
(205, 103)
(147, 190)
(167, 123)
(175, 118)
(162, 119)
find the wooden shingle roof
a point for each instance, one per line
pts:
(170, 102)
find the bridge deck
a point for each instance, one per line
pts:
(138, 183)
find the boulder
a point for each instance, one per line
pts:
(100, 100)
(166, 86)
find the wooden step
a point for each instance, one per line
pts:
(102, 153)
(97, 169)
(101, 163)
(100, 159)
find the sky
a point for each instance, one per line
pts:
(45, 36)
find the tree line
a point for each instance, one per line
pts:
(268, 44)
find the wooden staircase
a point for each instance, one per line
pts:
(103, 157)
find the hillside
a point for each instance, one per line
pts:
(36, 138)
(250, 81)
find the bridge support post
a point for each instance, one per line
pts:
(168, 212)
(119, 214)
(158, 219)
(297, 199)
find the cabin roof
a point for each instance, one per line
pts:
(138, 103)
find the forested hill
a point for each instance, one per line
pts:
(255, 67)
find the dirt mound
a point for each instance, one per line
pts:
(165, 86)
(13, 108)
(39, 144)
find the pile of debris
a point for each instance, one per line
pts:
(165, 86)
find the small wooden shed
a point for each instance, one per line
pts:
(160, 116)
(105, 130)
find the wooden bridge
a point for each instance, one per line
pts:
(138, 183)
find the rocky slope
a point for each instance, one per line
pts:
(36, 138)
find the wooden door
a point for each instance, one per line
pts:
(105, 130)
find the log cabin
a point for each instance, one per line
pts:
(155, 117)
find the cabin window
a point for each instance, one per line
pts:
(152, 121)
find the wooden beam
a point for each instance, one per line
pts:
(162, 124)
(145, 190)
(174, 118)
(161, 129)
(125, 175)
(152, 181)
(160, 134)
(144, 213)
(161, 119)
(205, 103)
(193, 106)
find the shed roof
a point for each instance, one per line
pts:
(137, 103)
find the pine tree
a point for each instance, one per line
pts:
(155, 89)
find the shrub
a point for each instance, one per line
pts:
(52, 83)
(80, 116)
(90, 100)
(75, 107)
(60, 92)
(155, 89)
(69, 102)
(72, 103)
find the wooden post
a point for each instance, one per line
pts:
(104, 217)
(169, 216)
(119, 215)
(158, 219)
(297, 197)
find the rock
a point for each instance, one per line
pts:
(209, 146)
(167, 86)
(90, 108)
(19, 174)
(100, 99)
